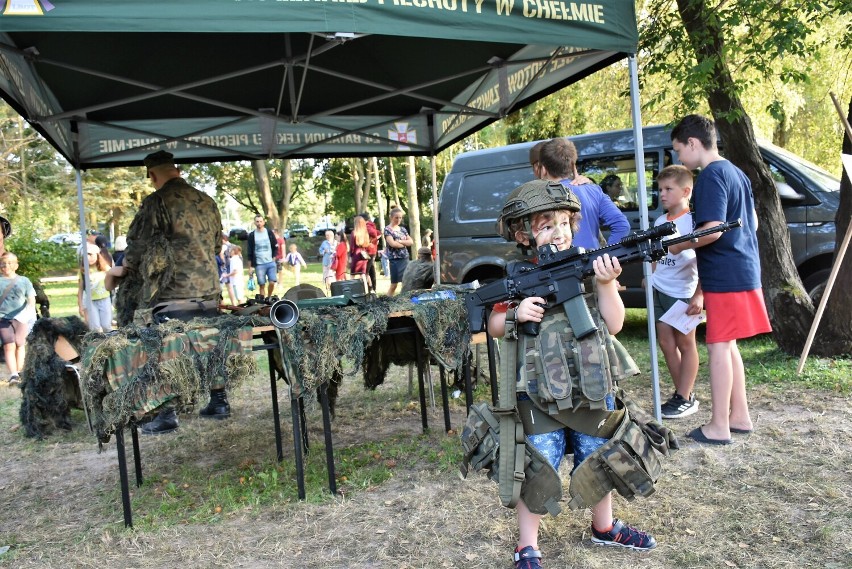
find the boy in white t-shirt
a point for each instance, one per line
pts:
(676, 278)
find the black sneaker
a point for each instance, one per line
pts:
(622, 535)
(527, 558)
(678, 407)
(14, 379)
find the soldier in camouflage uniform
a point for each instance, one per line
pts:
(171, 253)
(540, 213)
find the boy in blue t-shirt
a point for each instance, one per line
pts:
(729, 271)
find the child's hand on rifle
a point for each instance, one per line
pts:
(607, 269)
(530, 309)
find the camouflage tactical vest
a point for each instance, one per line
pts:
(563, 374)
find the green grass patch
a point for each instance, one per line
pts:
(764, 362)
(194, 495)
(63, 298)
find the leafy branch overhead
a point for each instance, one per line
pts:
(764, 43)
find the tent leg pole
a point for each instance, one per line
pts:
(435, 239)
(643, 210)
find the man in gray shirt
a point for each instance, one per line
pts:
(262, 250)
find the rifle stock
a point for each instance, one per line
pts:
(558, 276)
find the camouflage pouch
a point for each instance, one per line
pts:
(480, 439)
(540, 485)
(143, 317)
(594, 368)
(632, 463)
(626, 463)
(622, 364)
(554, 369)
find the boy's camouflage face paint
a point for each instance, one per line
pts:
(553, 228)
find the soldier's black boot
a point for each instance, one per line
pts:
(218, 408)
(165, 422)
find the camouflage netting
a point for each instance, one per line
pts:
(135, 369)
(48, 390)
(326, 337)
(158, 264)
(149, 367)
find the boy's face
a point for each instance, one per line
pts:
(8, 266)
(672, 194)
(550, 228)
(689, 152)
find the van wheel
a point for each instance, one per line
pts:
(815, 284)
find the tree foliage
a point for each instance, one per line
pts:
(784, 58)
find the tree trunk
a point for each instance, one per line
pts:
(790, 308)
(835, 333)
(286, 193)
(261, 178)
(393, 181)
(358, 179)
(413, 206)
(380, 202)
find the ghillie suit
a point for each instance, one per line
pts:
(136, 369)
(48, 389)
(42, 299)
(155, 266)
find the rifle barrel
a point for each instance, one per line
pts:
(721, 228)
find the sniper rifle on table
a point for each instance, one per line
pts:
(558, 276)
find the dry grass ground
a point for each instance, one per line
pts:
(775, 499)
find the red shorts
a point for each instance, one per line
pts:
(735, 315)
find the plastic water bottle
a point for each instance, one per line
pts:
(437, 295)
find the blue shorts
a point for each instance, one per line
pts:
(266, 271)
(553, 445)
(397, 267)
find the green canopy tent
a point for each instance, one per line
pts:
(108, 82)
(214, 80)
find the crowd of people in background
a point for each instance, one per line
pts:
(352, 252)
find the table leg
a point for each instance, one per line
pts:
(303, 421)
(297, 446)
(329, 448)
(418, 343)
(276, 416)
(445, 399)
(137, 456)
(122, 475)
(468, 384)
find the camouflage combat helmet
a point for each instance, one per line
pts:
(534, 197)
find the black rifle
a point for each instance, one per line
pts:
(558, 276)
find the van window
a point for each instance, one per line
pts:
(618, 177)
(482, 194)
(786, 191)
